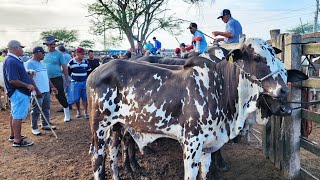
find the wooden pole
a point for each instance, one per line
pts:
(292, 124)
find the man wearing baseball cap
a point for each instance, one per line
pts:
(42, 86)
(233, 28)
(19, 88)
(78, 68)
(54, 62)
(198, 36)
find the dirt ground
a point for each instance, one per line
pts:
(67, 158)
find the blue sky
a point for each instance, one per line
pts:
(26, 19)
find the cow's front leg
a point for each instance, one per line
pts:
(191, 158)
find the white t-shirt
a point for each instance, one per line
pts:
(41, 78)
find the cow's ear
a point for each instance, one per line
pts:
(295, 75)
(276, 50)
(234, 55)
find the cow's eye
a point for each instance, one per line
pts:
(260, 59)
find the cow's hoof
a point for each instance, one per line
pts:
(128, 168)
(237, 139)
(223, 167)
(135, 167)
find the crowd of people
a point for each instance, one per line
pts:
(31, 83)
(65, 75)
(198, 43)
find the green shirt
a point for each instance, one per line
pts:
(53, 61)
(2, 58)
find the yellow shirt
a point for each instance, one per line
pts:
(2, 58)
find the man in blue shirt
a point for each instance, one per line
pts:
(233, 28)
(19, 88)
(157, 44)
(198, 36)
(54, 62)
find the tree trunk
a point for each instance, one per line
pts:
(131, 40)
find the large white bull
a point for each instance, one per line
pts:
(202, 105)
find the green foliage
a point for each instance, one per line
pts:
(135, 19)
(87, 44)
(303, 29)
(65, 37)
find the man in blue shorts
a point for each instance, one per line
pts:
(233, 28)
(78, 68)
(19, 88)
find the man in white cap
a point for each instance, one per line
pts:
(233, 28)
(19, 88)
(54, 61)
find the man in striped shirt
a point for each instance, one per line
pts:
(78, 68)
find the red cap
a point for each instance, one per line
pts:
(177, 50)
(80, 51)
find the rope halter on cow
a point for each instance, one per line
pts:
(254, 78)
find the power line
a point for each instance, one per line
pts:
(253, 22)
(259, 10)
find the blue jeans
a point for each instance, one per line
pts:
(44, 103)
(68, 90)
(19, 105)
(79, 91)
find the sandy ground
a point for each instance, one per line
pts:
(68, 158)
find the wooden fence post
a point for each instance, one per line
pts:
(291, 125)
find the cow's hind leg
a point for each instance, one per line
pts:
(207, 167)
(114, 146)
(219, 161)
(192, 152)
(98, 158)
(130, 154)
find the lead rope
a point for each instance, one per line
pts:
(254, 78)
(40, 108)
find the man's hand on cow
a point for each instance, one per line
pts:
(219, 39)
(216, 33)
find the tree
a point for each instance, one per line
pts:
(303, 29)
(135, 19)
(88, 44)
(65, 37)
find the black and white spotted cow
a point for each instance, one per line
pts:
(202, 106)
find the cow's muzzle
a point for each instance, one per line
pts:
(277, 106)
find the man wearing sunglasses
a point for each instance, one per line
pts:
(233, 28)
(54, 62)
